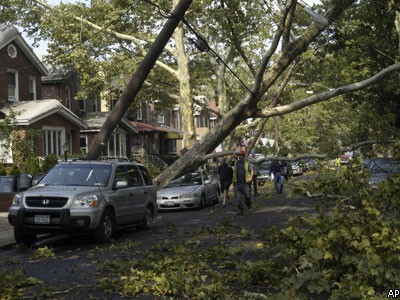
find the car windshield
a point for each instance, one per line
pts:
(265, 166)
(387, 167)
(188, 179)
(78, 175)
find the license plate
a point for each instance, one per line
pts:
(42, 219)
(169, 203)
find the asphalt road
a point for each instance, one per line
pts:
(75, 261)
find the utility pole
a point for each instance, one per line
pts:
(138, 79)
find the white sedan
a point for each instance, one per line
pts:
(193, 190)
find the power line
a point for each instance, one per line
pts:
(203, 45)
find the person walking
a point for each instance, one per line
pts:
(225, 177)
(255, 170)
(242, 177)
(276, 169)
(337, 164)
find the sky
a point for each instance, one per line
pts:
(42, 49)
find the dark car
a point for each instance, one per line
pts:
(380, 169)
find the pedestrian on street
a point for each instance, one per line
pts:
(255, 169)
(225, 177)
(337, 164)
(242, 177)
(276, 169)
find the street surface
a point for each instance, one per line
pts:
(74, 267)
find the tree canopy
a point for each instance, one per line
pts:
(239, 54)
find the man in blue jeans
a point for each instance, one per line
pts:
(276, 168)
(242, 177)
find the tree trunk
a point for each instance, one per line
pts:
(137, 80)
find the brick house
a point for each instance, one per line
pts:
(20, 68)
(21, 74)
(120, 141)
(56, 125)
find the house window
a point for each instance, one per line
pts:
(95, 104)
(12, 82)
(32, 88)
(172, 147)
(160, 119)
(68, 97)
(117, 145)
(83, 144)
(82, 105)
(139, 114)
(53, 139)
(177, 119)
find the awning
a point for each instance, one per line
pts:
(172, 136)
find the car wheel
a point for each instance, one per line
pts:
(148, 218)
(21, 237)
(105, 230)
(202, 201)
(216, 200)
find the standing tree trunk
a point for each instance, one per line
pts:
(186, 99)
(137, 80)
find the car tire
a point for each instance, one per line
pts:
(202, 201)
(21, 237)
(105, 230)
(148, 218)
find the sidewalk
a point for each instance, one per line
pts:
(6, 231)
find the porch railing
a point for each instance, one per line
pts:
(155, 161)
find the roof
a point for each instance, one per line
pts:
(29, 112)
(96, 120)
(148, 127)
(170, 133)
(9, 34)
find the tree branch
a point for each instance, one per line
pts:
(365, 143)
(285, 109)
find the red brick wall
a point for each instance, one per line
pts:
(6, 201)
(56, 120)
(25, 69)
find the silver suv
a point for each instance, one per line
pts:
(85, 196)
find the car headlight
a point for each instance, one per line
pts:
(17, 200)
(193, 195)
(85, 202)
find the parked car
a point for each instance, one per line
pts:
(380, 169)
(85, 196)
(310, 164)
(296, 167)
(263, 173)
(193, 190)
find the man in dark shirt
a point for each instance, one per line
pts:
(225, 177)
(276, 168)
(242, 176)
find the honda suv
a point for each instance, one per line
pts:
(85, 196)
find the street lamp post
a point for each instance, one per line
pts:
(65, 148)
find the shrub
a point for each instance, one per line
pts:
(3, 171)
(49, 161)
(15, 170)
(32, 166)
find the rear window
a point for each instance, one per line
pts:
(78, 175)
